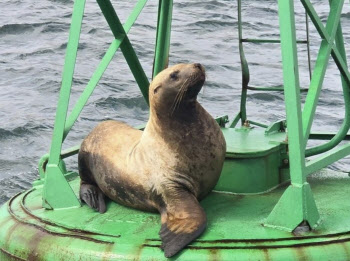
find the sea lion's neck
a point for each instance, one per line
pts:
(172, 120)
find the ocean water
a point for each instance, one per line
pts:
(33, 37)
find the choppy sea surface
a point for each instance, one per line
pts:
(33, 37)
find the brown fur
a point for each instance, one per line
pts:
(176, 160)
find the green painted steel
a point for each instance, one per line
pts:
(247, 40)
(161, 57)
(251, 190)
(126, 47)
(274, 88)
(234, 229)
(245, 66)
(296, 204)
(107, 58)
(52, 167)
(55, 182)
(254, 161)
(346, 87)
(320, 66)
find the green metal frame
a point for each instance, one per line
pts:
(51, 166)
(297, 203)
(245, 67)
(161, 56)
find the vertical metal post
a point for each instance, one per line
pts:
(161, 56)
(296, 204)
(55, 182)
(244, 66)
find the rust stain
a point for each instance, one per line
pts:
(12, 256)
(33, 245)
(346, 249)
(138, 252)
(10, 232)
(266, 254)
(107, 252)
(80, 236)
(214, 255)
(301, 253)
(299, 245)
(82, 232)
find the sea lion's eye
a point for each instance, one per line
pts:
(173, 75)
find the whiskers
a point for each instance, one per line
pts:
(179, 96)
(192, 79)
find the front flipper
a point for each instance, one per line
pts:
(93, 197)
(183, 220)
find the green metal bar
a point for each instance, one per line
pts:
(323, 33)
(126, 47)
(346, 123)
(315, 19)
(235, 120)
(250, 40)
(70, 152)
(292, 90)
(161, 56)
(79, 106)
(308, 45)
(67, 79)
(107, 58)
(341, 64)
(325, 136)
(274, 88)
(296, 204)
(258, 124)
(278, 126)
(134, 15)
(327, 158)
(222, 121)
(320, 67)
(244, 67)
(55, 182)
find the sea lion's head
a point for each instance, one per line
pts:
(176, 88)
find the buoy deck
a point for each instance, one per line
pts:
(235, 229)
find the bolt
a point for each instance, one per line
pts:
(286, 161)
(246, 124)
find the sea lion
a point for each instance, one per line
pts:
(168, 167)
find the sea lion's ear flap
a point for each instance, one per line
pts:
(156, 89)
(183, 220)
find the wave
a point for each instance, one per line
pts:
(129, 102)
(28, 129)
(15, 184)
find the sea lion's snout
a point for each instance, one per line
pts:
(199, 66)
(197, 80)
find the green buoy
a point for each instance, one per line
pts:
(272, 202)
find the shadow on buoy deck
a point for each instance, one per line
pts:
(235, 229)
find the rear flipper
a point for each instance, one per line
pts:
(93, 197)
(183, 220)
